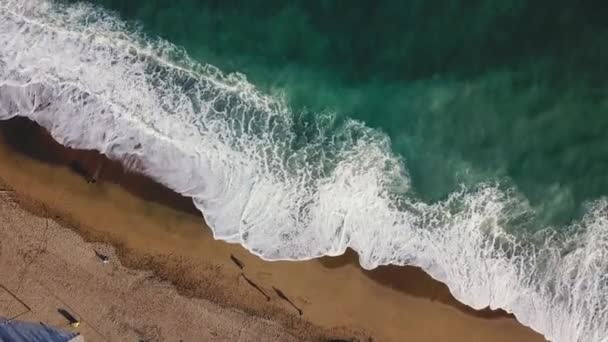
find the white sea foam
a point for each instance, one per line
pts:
(260, 182)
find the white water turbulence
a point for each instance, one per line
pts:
(288, 185)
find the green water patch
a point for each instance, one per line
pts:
(468, 91)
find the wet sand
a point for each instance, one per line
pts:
(152, 228)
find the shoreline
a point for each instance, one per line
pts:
(153, 228)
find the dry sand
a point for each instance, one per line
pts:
(48, 268)
(154, 229)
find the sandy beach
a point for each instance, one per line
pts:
(167, 278)
(53, 269)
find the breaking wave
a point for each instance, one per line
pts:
(289, 185)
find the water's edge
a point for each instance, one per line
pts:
(281, 193)
(129, 163)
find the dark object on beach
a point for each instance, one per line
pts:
(97, 172)
(73, 321)
(80, 170)
(103, 258)
(284, 297)
(255, 286)
(76, 167)
(237, 262)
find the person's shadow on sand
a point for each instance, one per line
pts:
(68, 316)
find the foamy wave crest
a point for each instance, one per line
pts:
(288, 185)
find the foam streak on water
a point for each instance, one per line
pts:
(287, 186)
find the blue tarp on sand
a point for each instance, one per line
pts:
(19, 331)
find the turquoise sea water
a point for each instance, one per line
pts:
(468, 91)
(463, 137)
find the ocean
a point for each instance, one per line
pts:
(464, 137)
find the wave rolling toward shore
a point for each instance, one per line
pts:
(288, 185)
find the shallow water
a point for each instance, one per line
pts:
(462, 139)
